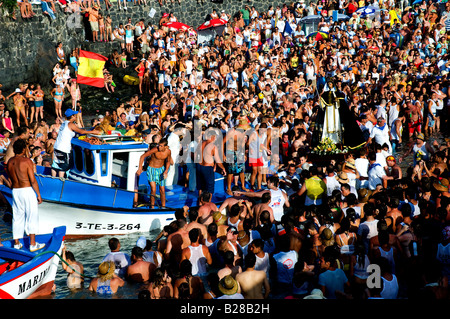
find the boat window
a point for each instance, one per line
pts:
(88, 162)
(119, 168)
(104, 163)
(78, 154)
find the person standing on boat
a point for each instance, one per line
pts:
(209, 158)
(63, 144)
(158, 167)
(25, 196)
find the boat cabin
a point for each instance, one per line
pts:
(113, 163)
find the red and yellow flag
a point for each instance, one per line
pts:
(90, 69)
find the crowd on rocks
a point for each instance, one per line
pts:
(310, 226)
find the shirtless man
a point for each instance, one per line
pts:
(261, 207)
(25, 195)
(230, 267)
(224, 69)
(176, 242)
(230, 201)
(439, 165)
(139, 271)
(23, 133)
(207, 209)
(143, 40)
(394, 212)
(253, 281)
(157, 169)
(193, 223)
(414, 119)
(43, 129)
(50, 143)
(209, 157)
(234, 157)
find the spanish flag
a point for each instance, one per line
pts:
(90, 69)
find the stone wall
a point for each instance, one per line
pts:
(27, 47)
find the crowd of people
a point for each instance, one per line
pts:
(310, 226)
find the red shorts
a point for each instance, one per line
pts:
(256, 162)
(414, 127)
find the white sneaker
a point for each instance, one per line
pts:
(125, 8)
(36, 246)
(19, 246)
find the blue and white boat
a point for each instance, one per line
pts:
(96, 198)
(25, 274)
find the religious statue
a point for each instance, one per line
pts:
(335, 120)
(330, 104)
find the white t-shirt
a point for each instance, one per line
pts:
(375, 176)
(381, 159)
(64, 140)
(362, 165)
(121, 261)
(379, 135)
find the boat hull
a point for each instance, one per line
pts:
(91, 222)
(35, 278)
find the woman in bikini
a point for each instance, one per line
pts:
(144, 120)
(75, 93)
(79, 116)
(101, 27)
(187, 286)
(161, 287)
(19, 106)
(29, 95)
(108, 28)
(58, 97)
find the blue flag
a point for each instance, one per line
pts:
(287, 29)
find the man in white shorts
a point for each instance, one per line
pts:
(25, 195)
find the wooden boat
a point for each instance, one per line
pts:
(25, 274)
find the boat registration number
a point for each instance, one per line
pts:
(96, 226)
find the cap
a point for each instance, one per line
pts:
(141, 242)
(70, 112)
(233, 229)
